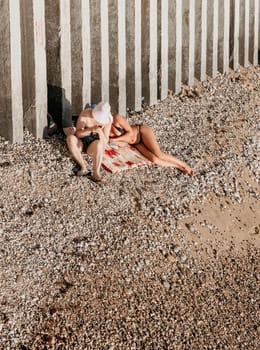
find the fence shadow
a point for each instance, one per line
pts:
(59, 108)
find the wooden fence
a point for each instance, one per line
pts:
(66, 53)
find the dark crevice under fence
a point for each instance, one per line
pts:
(73, 52)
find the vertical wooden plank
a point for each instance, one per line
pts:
(133, 54)
(153, 52)
(86, 53)
(117, 56)
(236, 34)
(16, 129)
(122, 56)
(171, 45)
(28, 65)
(5, 73)
(246, 38)
(212, 38)
(138, 54)
(243, 33)
(130, 53)
(104, 51)
(226, 34)
(191, 42)
(52, 18)
(40, 68)
(203, 52)
(223, 43)
(95, 53)
(164, 49)
(256, 33)
(185, 41)
(149, 50)
(215, 39)
(198, 27)
(76, 56)
(178, 48)
(253, 31)
(65, 58)
(113, 20)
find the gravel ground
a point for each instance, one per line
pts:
(88, 266)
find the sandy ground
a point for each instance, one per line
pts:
(221, 221)
(152, 259)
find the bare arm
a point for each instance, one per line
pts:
(106, 131)
(81, 129)
(128, 135)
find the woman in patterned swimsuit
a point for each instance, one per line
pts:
(144, 140)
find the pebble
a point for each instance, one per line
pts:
(98, 254)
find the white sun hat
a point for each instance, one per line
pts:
(102, 113)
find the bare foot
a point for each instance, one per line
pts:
(82, 172)
(187, 170)
(98, 178)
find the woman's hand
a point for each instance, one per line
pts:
(101, 132)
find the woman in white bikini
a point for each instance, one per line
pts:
(144, 140)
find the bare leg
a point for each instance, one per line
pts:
(96, 151)
(75, 147)
(151, 150)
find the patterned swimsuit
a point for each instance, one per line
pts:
(122, 131)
